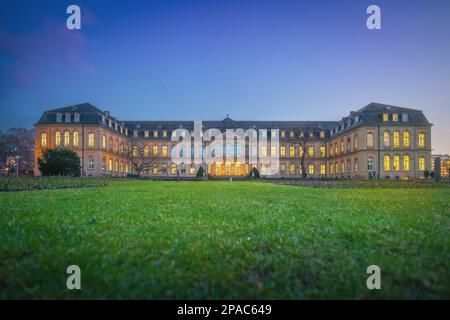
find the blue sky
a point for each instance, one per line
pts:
(253, 60)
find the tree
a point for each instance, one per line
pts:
(301, 138)
(200, 172)
(141, 157)
(17, 142)
(255, 173)
(59, 162)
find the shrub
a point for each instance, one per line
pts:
(59, 162)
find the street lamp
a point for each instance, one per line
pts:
(17, 165)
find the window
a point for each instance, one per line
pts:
(406, 139)
(421, 139)
(292, 152)
(406, 163)
(300, 151)
(322, 151)
(146, 151)
(66, 138)
(117, 146)
(103, 142)
(342, 167)
(264, 133)
(110, 167)
(311, 151)
(272, 151)
(387, 163)
(396, 139)
(395, 117)
(155, 134)
(421, 163)
(68, 116)
(126, 168)
(58, 138)
(370, 164)
(387, 138)
(331, 150)
(292, 134)
(121, 167)
(59, 117)
(273, 133)
(165, 133)
(135, 151)
(282, 151)
(283, 134)
(174, 133)
(342, 146)
(331, 168)
(356, 165)
(155, 170)
(355, 142)
(192, 170)
(218, 167)
(110, 144)
(146, 133)
(155, 150)
(91, 140)
(43, 139)
(237, 149)
(311, 169)
(116, 166)
(396, 165)
(385, 117)
(336, 167)
(76, 117)
(263, 151)
(349, 166)
(103, 164)
(228, 150)
(404, 117)
(292, 169)
(322, 134)
(135, 133)
(282, 168)
(90, 162)
(164, 151)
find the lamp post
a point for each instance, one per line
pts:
(17, 158)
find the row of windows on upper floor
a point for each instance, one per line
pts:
(346, 145)
(103, 119)
(385, 117)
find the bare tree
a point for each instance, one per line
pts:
(141, 157)
(301, 138)
(17, 142)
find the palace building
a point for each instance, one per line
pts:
(377, 141)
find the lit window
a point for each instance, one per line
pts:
(421, 163)
(322, 169)
(121, 167)
(421, 140)
(126, 168)
(342, 167)
(300, 151)
(292, 134)
(387, 163)
(116, 166)
(395, 117)
(292, 169)
(164, 151)
(110, 144)
(292, 152)
(396, 165)
(103, 141)
(165, 133)
(336, 167)
(155, 170)
(406, 139)
(322, 134)
(355, 142)
(311, 151)
(66, 139)
(135, 151)
(58, 138)
(283, 134)
(385, 117)
(155, 133)
(146, 133)
(282, 151)
(387, 139)
(311, 169)
(342, 146)
(272, 151)
(322, 151)
(282, 168)
(155, 150)
(218, 166)
(406, 163)
(146, 151)
(331, 168)
(264, 151)
(43, 139)
(110, 167)
(396, 139)
(91, 140)
(174, 133)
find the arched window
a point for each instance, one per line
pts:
(370, 140)
(387, 163)
(110, 144)
(421, 139)
(322, 151)
(292, 168)
(370, 164)
(292, 152)
(355, 142)
(322, 169)
(135, 151)
(406, 139)
(75, 139)
(116, 166)
(103, 141)
(311, 169)
(146, 151)
(283, 151)
(331, 168)
(164, 151)
(57, 138)
(421, 163)
(91, 140)
(110, 167)
(396, 162)
(90, 162)
(406, 163)
(396, 139)
(43, 139)
(155, 151)
(66, 139)
(387, 139)
(311, 151)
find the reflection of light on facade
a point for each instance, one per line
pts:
(445, 164)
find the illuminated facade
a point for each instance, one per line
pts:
(377, 141)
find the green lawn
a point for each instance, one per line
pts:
(144, 239)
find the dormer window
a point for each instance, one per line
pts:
(59, 117)
(110, 123)
(264, 133)
(146, 133)
(385, 117)
(404, 117)
(322, 134)
(68, 116)
(76, 117)
(135, 133)
(103, 120)
(155, 133)
(395, 117)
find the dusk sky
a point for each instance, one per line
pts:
(202, 60)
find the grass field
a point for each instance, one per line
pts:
(144, 239)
